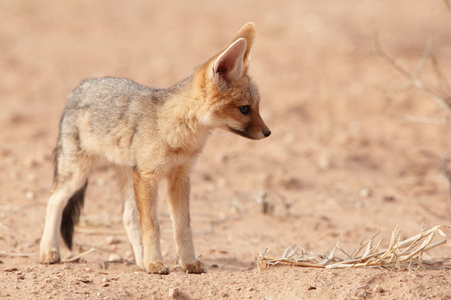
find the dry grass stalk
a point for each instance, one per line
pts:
(77, 257)
(89, 231)
(5, 253)
(400, 253)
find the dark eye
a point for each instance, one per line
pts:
(245, 109)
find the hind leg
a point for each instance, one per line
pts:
(130, 214)
(70, 177)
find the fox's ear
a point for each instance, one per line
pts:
(247, 32)
(230, 63)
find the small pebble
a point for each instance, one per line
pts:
(30, 195)
(378, 289)
(389, 198)
(174, 293)
(365, 193)
(362, 294)
(324, 163)
(115, 258)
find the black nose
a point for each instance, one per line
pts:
(267, 132)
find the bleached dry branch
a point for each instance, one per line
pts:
(400, 253)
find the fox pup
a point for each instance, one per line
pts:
(150, 134)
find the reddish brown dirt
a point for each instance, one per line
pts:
(341, 151)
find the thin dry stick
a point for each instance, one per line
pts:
(77, 257)
(16, 254)
(441, 78)
(99, 231)
(424, 58)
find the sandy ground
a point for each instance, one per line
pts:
(342, 158)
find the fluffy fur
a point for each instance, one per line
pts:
(150, 134)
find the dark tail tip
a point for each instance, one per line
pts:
(71, 215)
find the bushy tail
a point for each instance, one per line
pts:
(71, 215)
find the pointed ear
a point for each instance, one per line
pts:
(247, 32)
(230, 63)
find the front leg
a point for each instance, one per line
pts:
(146, 188)
(178, 193)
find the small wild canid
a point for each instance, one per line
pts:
(150, 134)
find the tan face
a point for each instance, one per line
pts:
(231, 99)
(240, 113)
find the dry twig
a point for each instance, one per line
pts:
(441, 95)
(5, 253)
(77, 257)
(400, 253)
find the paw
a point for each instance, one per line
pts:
(51, 256)
(157, 267)
(195, 268)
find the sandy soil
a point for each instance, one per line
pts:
(342, 155)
